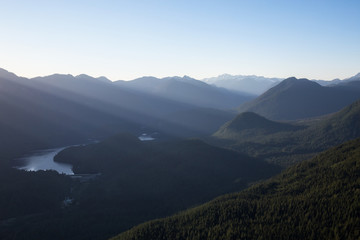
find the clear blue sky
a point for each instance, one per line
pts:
(315, 39)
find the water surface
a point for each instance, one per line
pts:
(146, 137)
(44, 160)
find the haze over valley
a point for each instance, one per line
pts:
(179, 120)
(204, 141)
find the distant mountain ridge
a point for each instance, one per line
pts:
(52, 110)
(187, 90)
(338, 81)
(296, 98)
(62, 109)
(242, 83)
(258, 84)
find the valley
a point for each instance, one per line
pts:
(166, 145)
(179, 120)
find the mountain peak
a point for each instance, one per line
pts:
(187, 77)
(103, 79)
(296, 98)
(297, 82)
(84, 76)
(248, 120)
(87, 77)
(6, 74)
(248, 124)
(353, 78)
(184, 78)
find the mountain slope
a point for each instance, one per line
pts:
(107, 95)
(285, 143)
(248, 124)
(255, 85)
(187, 90)
(140, 104)
(338, 81)
(197, 122)
(353, 78)
(300, 98)
(336, 128)
(32, 118)
(316, 199)
(39, 114)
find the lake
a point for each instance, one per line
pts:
(44, 160)
(146, 137)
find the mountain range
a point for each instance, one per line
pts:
(188, 90)
(209, 141)
(337, 81)
(252, 84)
(257, 85)
(61, 109)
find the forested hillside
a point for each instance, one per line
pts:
(286, 143)
(133, 182)
(316, 199)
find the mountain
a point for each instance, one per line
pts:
(354, 84)
(33, 118)
(141, 105)
(336, 128)
(301, 98)
(338, 81)
(286, 143)
(316, 199)
(353, 78)
(187, 90)
(248, 124)
(252, 84)
(328, 83)
(7, 75)
(257, 85)
(60, 110)
(106, 95)
(136, 181)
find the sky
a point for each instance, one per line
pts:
(127, 39)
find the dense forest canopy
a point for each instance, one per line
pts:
(316, 199)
